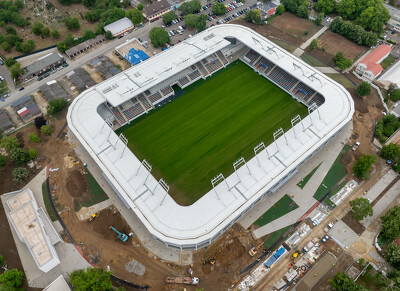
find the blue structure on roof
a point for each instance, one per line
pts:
(135, 57)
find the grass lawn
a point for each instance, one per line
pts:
(95, 193)
(337, 189)
(341, 80)
(50, 211)
(334, 175)
(303, 182)
(203, 131)
(273, 237)
(286, 46)
(387, 62)
(312, 61)
(280, 208)
(370, 279)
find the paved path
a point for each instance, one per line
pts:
(327, 70)
(303, 197)
(300, 50)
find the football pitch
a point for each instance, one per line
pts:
(202, 132)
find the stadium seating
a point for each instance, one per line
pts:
(282, 78)
(133, 111)
(264, 65)
(147, 93)
(203, 70)
(166, 90)
(213, 65)
(117, 114)
(144, 101)
(194, 75)
(183, 81)
(305, 88)
(155, 97)
(222, 57)
(317, 99)
(252, 56)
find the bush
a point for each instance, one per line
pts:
(314, 44)
(46, 130)
(54, 33)
(3, 160)
(364, 89)
(20, 174)
(56, 105)
(32, 153)
(341, 61)
(33, 137)
(19, 156)
(11, 279)
(386, 127)
(9, 143)
(395, 95)
(72, 23)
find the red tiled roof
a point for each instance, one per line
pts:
(371, 60)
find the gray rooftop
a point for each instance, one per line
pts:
(84, 45)
(119, 25)
(42, 64)
(5, 121)
(156, 7)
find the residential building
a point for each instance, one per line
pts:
(43, 65)
(267, 9)
(26, 108)
(369, 67)
(82, 47)
(157, 9)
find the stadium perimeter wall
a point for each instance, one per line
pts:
(198, 225)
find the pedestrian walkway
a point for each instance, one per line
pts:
(327, 70)
(303, 197)
(85, 212)
(300, 50)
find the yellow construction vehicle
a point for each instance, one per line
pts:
(211, 262)
(254, 250)
(295, 255)
(93, 217)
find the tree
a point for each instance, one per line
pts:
(39, 122)
(11, 30)
(19, 175)
(190, 7)
(46, 130)
(6, 46)
(32, 153)
(9, 143)
(37, 28)
(361, 208)
(33, 137)
(89, 34)
(3, 160)
(279, 10)
(390, 224)
(19, 156)
(392, 255)
(140, 6)
(325, 6)
(363, 165)
(364, 89)
(1, 260)
(341, 61)
(45, 32)
(12, 278)
(109, 35)
(135, 15)
(158, 36)
(374, 17)
(342, 282)
(201, 22)
(390, 152)
(302, 11)
(253, 16)
(69, 40)
(16, 70)
(54, 33)
(318, 19)
(218, 8)
(90, 279)
(346, 8)
(27, 46)
(72, 23)
(56, 105)
(10, 61)
(314, 44)
(168, 17)
(61, 46)
(395, 95)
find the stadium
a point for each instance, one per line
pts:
(314, 107)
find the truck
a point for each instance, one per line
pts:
(308, 246)
(182, 280)
(328, 227)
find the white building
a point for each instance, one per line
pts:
(369, 67)
(138, 89)
(120, 27)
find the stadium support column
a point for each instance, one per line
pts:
(294, 121)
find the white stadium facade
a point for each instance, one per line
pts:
(134, 92)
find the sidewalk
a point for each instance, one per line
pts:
(303, 197)
(327, 70)
(154, 246)
(300, 50)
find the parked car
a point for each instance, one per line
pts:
(21, 88)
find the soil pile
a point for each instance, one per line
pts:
(76, 184)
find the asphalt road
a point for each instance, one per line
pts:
(142, 33)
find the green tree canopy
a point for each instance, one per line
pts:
(342, 282)
(158, 36)
(9, 143)
(168, 17)
(45, 32)
(61, 46)
(319, 18)
(19, 156)
(56, 105)
(374, 17)
(190, 7)
(391, 152)
(363, 165)
(302, 11)
(3, 160)
(72, 23)
(37, 28)
(46, 130)
(135, 15)
(395, 95)
(253, 16)
(219, 8)
(392, 255)
(390, 224)
(314, 43)
(140, 6)
(20, 174)
(32, 153)
(33, 137)
(279, 10)
(91, 279)
(364, 89)
(346, 8)
(10, 61)
(325, 6)
(54, 33)
(27, 46)
(361, 208)
(16, 70)
(12, 278)
(341, 61)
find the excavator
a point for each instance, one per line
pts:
(254, 250)
(93, 216)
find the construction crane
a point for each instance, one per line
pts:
(122, 236)
(254, 250)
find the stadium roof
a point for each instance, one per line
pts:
(119, 26)
(207, 218)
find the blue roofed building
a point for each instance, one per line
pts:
(136, 56)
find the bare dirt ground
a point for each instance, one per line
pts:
(117, 62)
(294, 25)
(353, 223)
(41, 102)
(94, 74)
(51, 14)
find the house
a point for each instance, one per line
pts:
(267, 9)
(120, 27)
(80, 48)
(369, 67)
(157, 9)
(26, 108)
(43, 65)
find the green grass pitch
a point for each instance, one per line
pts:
(216, 121)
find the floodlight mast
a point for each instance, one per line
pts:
(258, 149)
(296, 120)
(165, 186)
(216, 180)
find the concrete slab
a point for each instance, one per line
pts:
(85, 212)
(327, 70)
(381, 185)
(343, 234)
